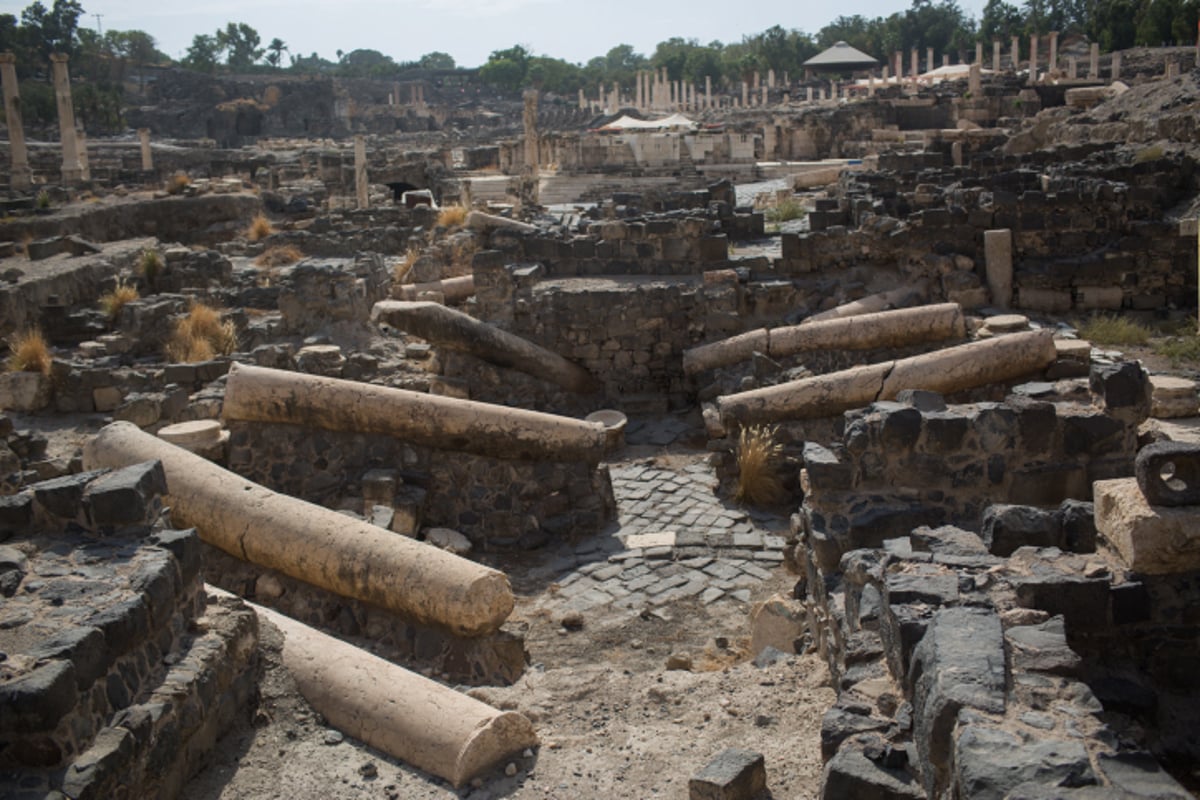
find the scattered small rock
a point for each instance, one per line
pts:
(368, 770)
(334, 737)
(572, 621)
(682, 661)
(511, 769)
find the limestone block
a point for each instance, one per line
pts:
(448, 539)
(24, 391)
(1173, 397)
(998, 255)
(777, 622)
(1074, 349)
(106, 398)
(1156, 540)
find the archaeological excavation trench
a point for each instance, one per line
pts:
(574, 469)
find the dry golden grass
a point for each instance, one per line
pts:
(260, 228)
(400, 274)
(177, 183)
(758, 479)
(29, 353)
(280, 255)
(452, 216)
(112, 302)
(1111, 330)
(200, 336)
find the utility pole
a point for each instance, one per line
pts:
(99, 27)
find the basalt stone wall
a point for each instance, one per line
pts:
(898, 467)
(109, 686)
(959, 676)
(494, 502)
(1081, 240)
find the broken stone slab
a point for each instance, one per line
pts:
(1168, 473)
(260, 394)
(1043, 648)
(314, 544)
(949, 370)
(1173, 397)
(405, 715)
(959, 664)
(1008, 527)
(778, 622)
(850, 774)
(455, 330)
(449, 540)
(864, 332)
(25, 391)
(1156, 540)
(732, 775)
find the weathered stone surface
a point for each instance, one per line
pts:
(988, 762)
(24, 391)
(1008, 527)
(37, 700)
(778, 622)
(126, 496)
(850, 774)
(959, 664)
(1043, 648)
(1139, 775)
(732, 775)
(1155, 540)
(1168, 473)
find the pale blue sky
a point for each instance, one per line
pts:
(575, 30)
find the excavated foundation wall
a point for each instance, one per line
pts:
(110, 685)
(494, 502)
(897, 467)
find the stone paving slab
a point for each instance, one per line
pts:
(677, 540)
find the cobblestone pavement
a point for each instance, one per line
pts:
(674, 539)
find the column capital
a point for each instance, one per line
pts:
(7, 57)
(59, 58)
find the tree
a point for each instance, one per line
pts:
(275, 51)
(204, 54)
(436, 60)
(999, 20)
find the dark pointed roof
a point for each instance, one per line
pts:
(841, 56)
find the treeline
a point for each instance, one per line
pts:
(103, 62)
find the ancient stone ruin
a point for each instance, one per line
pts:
(417, 425)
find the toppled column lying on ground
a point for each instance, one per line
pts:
(399, 712)
(314, 544)
(451, 289)
(259, 394)
(455, 330)
(862, 332)
(904, 296)
(949, 370)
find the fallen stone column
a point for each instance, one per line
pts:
(862, 332)
(311, 543)
(452, 289)
(903, 296)
(949, 370)
(403, 714)
(260, 394)
(455, 330)
(479, 221)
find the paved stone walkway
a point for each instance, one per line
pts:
(675, 539)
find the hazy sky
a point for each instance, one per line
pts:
(575, 30)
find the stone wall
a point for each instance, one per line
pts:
(497, 503)
(109, 685)
(898, 467)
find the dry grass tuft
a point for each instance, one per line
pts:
(150, 265)
(757, 453)
(200, 336)
(114, 301)
(177, 183)
(279, 256)
(1110, 330)
(260, 228)
(29, 353)
(400, 274)
(452, 216)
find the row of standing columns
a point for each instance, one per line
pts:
(75, 166)
(654, 91)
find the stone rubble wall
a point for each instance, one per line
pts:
(494, 502)
(896, 467)
(110, 684)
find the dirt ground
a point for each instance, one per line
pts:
(612, 720)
